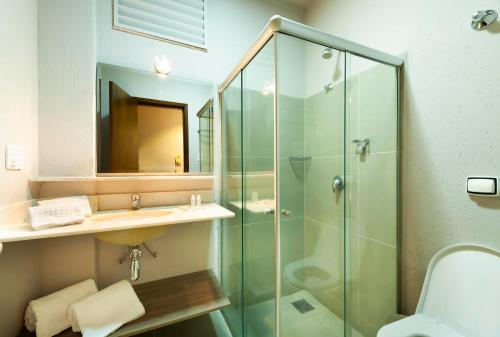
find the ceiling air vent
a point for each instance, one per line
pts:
(178, 21)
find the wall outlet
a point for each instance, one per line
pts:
(14, 158)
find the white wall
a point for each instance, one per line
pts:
(18, 125)
(232, 26)
(18, 94)
(450, 117)
(66, 87)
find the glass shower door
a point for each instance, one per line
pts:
(232, 196)
(259, 267)
(372, 89)
(311, 157)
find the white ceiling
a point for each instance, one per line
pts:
(301, 3)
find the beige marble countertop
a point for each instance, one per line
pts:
(178, 214)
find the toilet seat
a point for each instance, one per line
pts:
(311, 283)
(459, 298)
(417, 325)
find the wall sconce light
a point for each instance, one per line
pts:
(162, 66)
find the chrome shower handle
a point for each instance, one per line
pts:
(361, 145)
(338, 184)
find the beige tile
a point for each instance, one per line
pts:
(367, 329)
(122, 201)
(377, 281)
(378, 197)
(58, 189)
(378, 108)
(114, 185)
(152, 184)
(292, 241)
(259, 264)
(258, 134)
(324, 123)
(291, 127)
(321, 203)
(292, 251)
(352, 193)
(291, 189)
(324, 243)
(352, 112)
(352, 277)
(231, 248)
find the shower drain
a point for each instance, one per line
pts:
(302, 306)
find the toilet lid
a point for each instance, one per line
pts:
(462, 290)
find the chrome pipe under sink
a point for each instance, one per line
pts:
(135, 263)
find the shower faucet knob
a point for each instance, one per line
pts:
(362, 145)
(338, 184)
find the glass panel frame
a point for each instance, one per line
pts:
(315, 160)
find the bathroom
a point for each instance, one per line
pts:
(336, 165)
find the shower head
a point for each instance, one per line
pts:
(327, 53)
(482, 19)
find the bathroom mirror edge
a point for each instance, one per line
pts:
(148, 90)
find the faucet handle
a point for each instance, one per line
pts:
(361, 145)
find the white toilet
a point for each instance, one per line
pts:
(460, 297)
(320, 274)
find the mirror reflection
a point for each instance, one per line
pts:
(152, 123)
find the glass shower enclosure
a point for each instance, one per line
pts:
(309, 162)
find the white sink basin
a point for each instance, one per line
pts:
(135, 236)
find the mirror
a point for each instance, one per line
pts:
(149, 123)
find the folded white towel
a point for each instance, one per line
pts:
(43, 217)
(104, 312)
(81, 201)
(48, 315)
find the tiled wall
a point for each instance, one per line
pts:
(324, 209)
(373, 197)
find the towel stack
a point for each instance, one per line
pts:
(48, 315)
(59, 212)
(84, 309)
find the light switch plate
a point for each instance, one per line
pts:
(484, 186)
(14, 158)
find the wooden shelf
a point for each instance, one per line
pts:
(169, 301)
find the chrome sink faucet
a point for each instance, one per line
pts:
(136, 201)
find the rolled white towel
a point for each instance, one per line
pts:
(48, 315)
(104, 312)
(43, 217)
(81, 201)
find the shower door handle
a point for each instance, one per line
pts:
(338, 184)
(286, 212)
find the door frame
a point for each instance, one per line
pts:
(185, 121)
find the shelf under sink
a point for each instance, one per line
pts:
(168, 301)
